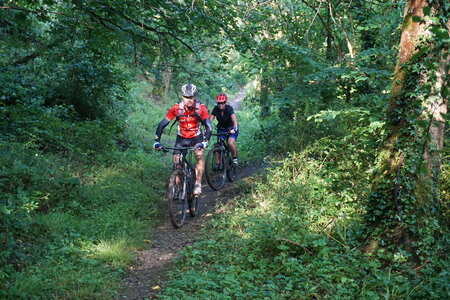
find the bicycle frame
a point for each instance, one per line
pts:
(184, 175)
(218, 164)
(185, 162)
(188, 170)
(221, 142)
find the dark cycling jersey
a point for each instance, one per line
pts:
(223, 116)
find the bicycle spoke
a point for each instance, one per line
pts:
(177, 199)
(215, 168)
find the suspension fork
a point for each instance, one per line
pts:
(182, 163)
(185, 186)
(188, 173)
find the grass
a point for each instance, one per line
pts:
(117, 252)
(87, 243)
(79, 220)
(289, 235)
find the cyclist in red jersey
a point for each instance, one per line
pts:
(190, 114)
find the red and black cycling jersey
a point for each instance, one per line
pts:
(223, 116)
(188, 123)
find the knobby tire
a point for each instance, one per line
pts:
(193, 206)
(231, 171)
(177, 204)
(215, 173)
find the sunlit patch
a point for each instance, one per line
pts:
(166, 256)
(114, 252)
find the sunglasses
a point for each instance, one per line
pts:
(190, 97)
(222, 103)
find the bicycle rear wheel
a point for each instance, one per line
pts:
(231, 171)
(215, 168)
(177, 202)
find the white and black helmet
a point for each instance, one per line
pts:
(188, 90)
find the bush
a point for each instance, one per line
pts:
(295, 233)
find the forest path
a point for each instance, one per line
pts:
(148, 275)
(235, 101)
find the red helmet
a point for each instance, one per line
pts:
(221, 98)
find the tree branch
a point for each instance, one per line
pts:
(25, 59)
(45, 11)
(347, 38)
(104, 22)
(341, 55)
(145, 26)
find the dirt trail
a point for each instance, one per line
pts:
(234, 102)
(146, 277)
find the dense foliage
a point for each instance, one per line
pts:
(84, 83)
(295, 234)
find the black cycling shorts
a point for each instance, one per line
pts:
(184, 142)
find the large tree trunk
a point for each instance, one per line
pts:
(404, 192)
(167, 77)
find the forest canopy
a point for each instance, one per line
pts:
(347, 100)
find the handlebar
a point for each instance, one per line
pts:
(166, 149)
(225, 134)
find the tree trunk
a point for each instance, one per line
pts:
(167, 77)
(264, 94)
(329, 39)
(404, 191)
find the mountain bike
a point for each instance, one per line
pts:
(219, 163)
(181, 187)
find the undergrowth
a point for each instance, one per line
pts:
(72, 215)
(296, 233)
(291, 236)
(77, 202)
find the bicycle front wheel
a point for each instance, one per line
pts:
(177, 199)
(215, 168)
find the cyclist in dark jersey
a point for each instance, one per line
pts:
(190, 115)
(226, 122)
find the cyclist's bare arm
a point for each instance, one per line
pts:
(234, 120)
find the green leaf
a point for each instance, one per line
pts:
(426, 10)
(444, 91)
(422, 123)
(319, 242)
(283, 247)
(416, 19)
(4, 210)
(419, 53)
(440, 33)
(423, 169)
